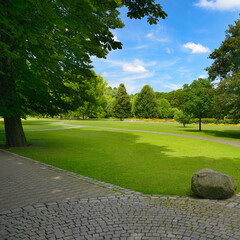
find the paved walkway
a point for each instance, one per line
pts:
(38, 201)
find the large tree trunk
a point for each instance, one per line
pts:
(14, 132)
(200, 124)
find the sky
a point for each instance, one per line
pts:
(173, 52)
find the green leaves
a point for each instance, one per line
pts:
(122, 105)
(146, 103)
(227, 56)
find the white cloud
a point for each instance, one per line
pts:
(135, 67)
(219, 4)
(153, 37)
(137, 77)
(172, 86)
(141, 47)
(104, 74)
(202, 76)
(115, 39)
(169, 51)
(196, 48)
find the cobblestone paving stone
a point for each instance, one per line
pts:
(123, 215)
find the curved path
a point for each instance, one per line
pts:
(38, 201)
(224, 141)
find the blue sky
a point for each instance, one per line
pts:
(171, 53)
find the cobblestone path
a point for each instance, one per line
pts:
(83, 208)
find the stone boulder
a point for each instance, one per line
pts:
(210, 184)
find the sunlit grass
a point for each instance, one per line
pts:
(145, 162)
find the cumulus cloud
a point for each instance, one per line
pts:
(135, 67)
(196, 48)
(219, 4)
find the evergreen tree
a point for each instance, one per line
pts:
(146, 103)
(122, 105)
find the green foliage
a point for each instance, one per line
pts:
(146, 104)
(122, 105)
(164, 108)
(172, 112)
(227, 56)
(182, 117)
(46, 47)
(229, 96)
(198, 99)
(175, 97)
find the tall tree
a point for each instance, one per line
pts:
(226, 68)
(164, 108)
(45, 45)
(122, 105)
(198, 99)
(227, 56)
(146, 104)
(227, 97)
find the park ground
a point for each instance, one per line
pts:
(142, 161)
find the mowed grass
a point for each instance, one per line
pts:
(145, 162)
(224, 132)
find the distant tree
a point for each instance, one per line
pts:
(172, 112)
(164, 108)
(182, 117)
(175, 97)
(122, 105)
(198, 99)
(111, 92)
(146, 104)
(227, 97)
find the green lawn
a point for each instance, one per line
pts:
(145, 162)
(224, 132)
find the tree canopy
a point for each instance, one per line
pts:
(46, 46)
(122, 105)
(198, 98)
(227, 56)
(146, 104)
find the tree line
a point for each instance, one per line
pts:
(45, 65)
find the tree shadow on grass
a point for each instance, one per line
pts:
(123, 159)
(229, 133)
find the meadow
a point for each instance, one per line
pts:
(146, 162)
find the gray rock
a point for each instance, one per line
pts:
(208, 183)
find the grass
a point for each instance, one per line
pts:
(145, 162)
(224, 132)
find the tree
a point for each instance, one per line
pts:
(164, 108)
(182, 117)
(122, 105)
(198, 99)
(227, 97)
(45, 45)
(94, 101)
(226, 68)
(146, 103)
(227, 56)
